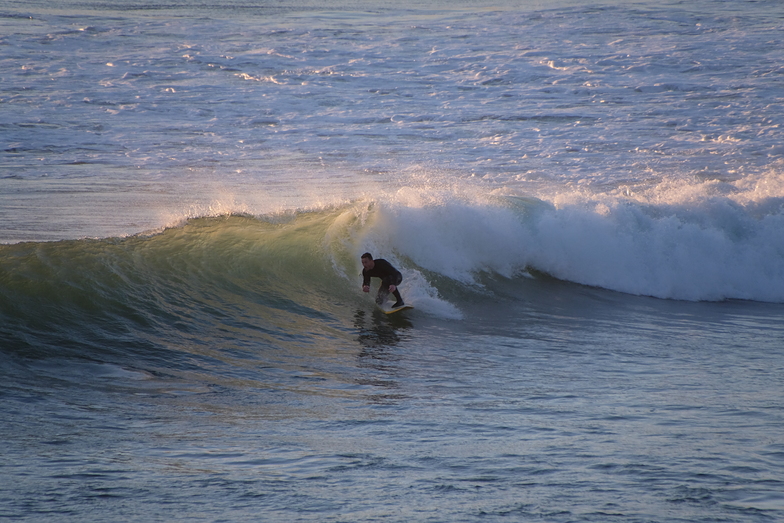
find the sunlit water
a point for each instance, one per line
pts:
(585, 200)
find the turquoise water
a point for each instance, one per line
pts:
(584, 199)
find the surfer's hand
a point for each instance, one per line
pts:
(365, 288)
(392, 288)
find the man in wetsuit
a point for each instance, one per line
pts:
(390, 279)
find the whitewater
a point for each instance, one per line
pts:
(585, 199)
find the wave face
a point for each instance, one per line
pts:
(296, 275)
(181, 286)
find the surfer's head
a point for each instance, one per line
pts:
(367, 261)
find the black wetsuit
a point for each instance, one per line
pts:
(389, 276)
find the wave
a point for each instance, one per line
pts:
(696, 240)
(211, 288)
(295, 276)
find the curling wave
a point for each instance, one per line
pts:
(293, 277)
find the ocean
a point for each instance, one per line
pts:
(585, 199)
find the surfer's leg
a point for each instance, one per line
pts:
(383, 294)
(399, 302)
(383, 291)
(396, 293)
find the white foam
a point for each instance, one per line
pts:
(680, 239)
(417, 291)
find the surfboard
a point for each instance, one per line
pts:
(404, 307)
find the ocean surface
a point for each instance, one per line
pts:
(585, 198)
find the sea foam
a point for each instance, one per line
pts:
(677, 239)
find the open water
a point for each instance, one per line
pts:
(586, 200)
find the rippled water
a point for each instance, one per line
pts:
(585, 201)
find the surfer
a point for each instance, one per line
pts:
(390, 279)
